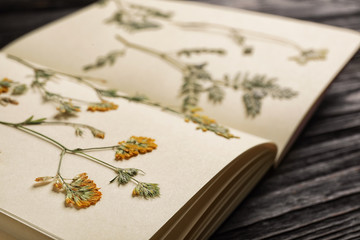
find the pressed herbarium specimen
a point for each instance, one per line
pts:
(67, 107)
(17, 89)
(80, 191)
(198, 80)
(135, 17)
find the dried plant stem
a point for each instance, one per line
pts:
(172, 61)
(65, 104)
(81, 79)
(222, 29)
(98, 148)
(201, 26)
(80, 152)
(64, 150)
(151, 103)
(57, 98)
(78, 77)
(60, 162)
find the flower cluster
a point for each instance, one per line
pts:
(68, 108)
(134, 146)
(146, 190)
(80, 193)
(97, 133)
(5, 85)
(142, 189)
(207, 124)
(102, 106)
(16, 89)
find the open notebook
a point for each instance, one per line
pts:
(247, 81)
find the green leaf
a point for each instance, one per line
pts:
(102, 61)
(282, 93)
(30, 121)
(138, 98)
(216, 94)
(190, 52)
(152, 12)
(132, 23)
(252, 104)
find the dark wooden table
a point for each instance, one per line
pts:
(315, 193)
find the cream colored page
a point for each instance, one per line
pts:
(185, 160)
(79, 40)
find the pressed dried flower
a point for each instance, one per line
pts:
(5, 85)
(44, 179)
(58, 185)
(310, 55)
(97, 133)
(146, 190)
(68, 108)
(134, 146)
(125, 175)
(3, 89)
(207, 124)
(82, 192)
(102, 107)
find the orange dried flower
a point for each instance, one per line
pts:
(102, 107)
(134, 146)
(58, 186)
(3, 89)
(4, 85)
(97, 133)
(208, 124)
(43, 179)
(82, 192)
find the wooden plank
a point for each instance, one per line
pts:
(304, 9)
(300, 223)
(16, 5)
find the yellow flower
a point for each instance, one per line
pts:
(102, 107)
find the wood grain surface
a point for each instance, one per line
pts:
(315, 192)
